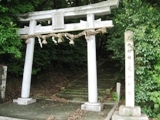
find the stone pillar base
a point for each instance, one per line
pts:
(92, 106)
(116, 116)
(24, 101)
(130, 111)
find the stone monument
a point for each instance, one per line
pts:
(129, 111)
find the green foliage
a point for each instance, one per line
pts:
(155, 95)
(9, 42)
(64, 55)
(15, 67)
(139, 16)
(12, 49)
(115, 96)
(155, 98)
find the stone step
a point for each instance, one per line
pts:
(81, 86)
(99, 75)
(71, 95)
(78, 97)
(78, 90)
(99, 81)
(106, 72)
(100, 78)
(103, 86)
(106, 69)
(72, 92)
(105, 75)
(86, 90)
(78, 86)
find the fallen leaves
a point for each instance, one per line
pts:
(76, 115)
(51, 118)
(57, 99)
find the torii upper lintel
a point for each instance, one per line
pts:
(102, 8)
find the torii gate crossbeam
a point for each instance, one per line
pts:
(57, 17)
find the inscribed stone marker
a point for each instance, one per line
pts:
(129, 69)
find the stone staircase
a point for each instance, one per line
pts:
(77, 91)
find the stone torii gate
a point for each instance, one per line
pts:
(58, 26)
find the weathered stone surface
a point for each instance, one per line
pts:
(58, 20)
(129, 111)
(24, 101)
(3, 76)
(129, 70)
(101, 8)
(97, 107)
(116, 116)
(1, 73)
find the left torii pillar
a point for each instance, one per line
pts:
(26, 83)
(92, 104)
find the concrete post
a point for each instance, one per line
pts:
(92, 104)
(118, 90)
(25, 93)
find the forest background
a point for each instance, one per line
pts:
(140, 16)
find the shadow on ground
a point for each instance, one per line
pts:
(72, 97)
(51, 110)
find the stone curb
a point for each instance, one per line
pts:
(9, 118)
(111, 112)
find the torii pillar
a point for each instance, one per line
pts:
(92, 104)
(26, 83)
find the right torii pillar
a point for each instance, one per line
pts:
(129, 111)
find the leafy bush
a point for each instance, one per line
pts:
(12, 49)
(139, 16)
(63, 55)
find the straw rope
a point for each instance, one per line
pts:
(70, 37)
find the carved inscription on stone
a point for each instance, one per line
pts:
(129, 69)
(58, 20)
